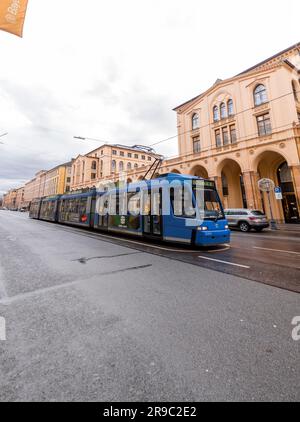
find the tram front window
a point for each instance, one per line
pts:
(212, 206)
(209, 204)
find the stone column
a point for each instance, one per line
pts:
(218, 182)
(295, 170)
(252, 192)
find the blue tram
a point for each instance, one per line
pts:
(49, 208)
(139, 209)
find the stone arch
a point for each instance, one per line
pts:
(199, 171)
(272, 154)
(175, 171)
(231, 184)
(268, 164)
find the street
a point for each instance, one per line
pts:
(90, 317)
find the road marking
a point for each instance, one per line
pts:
(227, 247)
(224, 262)
(3, 293)
(276, 250)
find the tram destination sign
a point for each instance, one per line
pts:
(209, 184)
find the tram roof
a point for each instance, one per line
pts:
(178, 176)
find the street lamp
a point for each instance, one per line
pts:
(268, 186)
(82, 138)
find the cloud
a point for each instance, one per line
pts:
(115, 70)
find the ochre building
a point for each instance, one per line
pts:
(246, 128)
(110, 162)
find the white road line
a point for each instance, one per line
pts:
(3, 293)
(227, 247)
(276, 250)
(224, 262)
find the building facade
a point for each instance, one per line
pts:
(10, 199)
(239, 131)
(46, 183)
(110, 162)
(243, 129)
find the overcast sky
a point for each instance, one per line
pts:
(114, 70)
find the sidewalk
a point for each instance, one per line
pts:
(289, 227)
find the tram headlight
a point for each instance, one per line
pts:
(226, 227)
(202, 229)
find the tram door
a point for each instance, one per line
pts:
(103, 214)
(152, 216)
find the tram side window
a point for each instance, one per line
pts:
(134, 203)
(114, 205)
(182, 204)
(82, 205)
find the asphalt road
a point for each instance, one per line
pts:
(94, 318)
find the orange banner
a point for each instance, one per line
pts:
(12, 16)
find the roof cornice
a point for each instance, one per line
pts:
(264, 66)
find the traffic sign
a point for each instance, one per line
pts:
(278, 193)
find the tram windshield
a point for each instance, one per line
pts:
(212, 206)
(208, 200)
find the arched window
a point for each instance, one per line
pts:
(294, 87)
(223, 111)
(260, 95)
(230, 107)
(94, 165)
(129, 166)
(195, 121)
(216, 114)
(136, 166)
(121, 166)
(113, 166)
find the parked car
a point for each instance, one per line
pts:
(245, 220)
(22, 210)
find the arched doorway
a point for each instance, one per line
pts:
(274, 166)
(175, 171)
(199, 171)
(289, 200)
(233, 189)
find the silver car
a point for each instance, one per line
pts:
(245, 220)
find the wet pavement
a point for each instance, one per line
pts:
(90, 317)
(270, 257)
